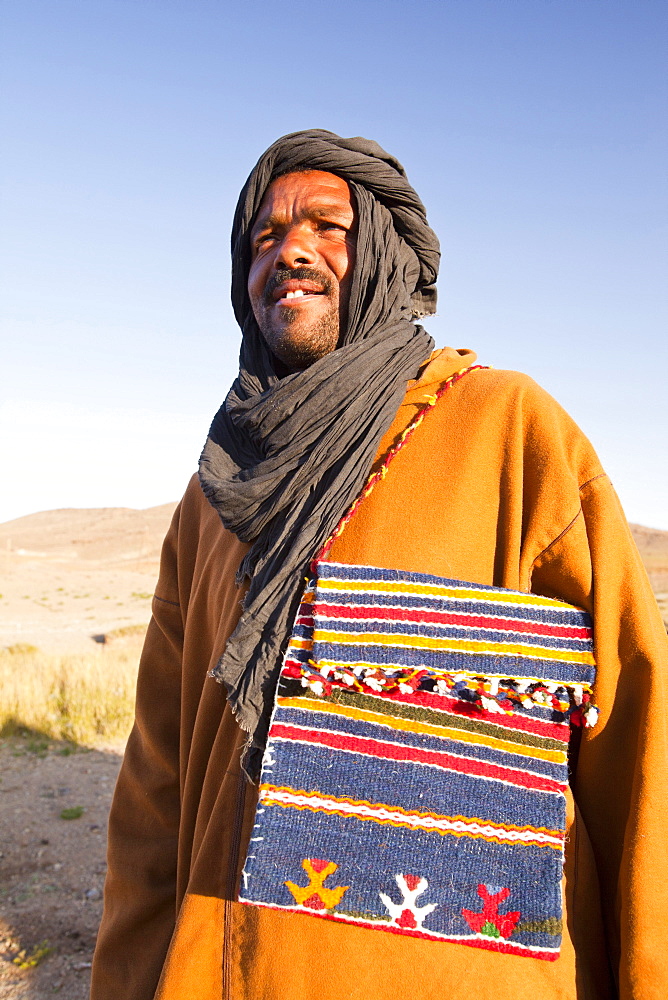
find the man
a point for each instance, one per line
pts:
(333, 261)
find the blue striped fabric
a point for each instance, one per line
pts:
(416, 763)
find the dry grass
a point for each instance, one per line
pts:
(86, 699)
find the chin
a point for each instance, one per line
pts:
(297, 357)
(300, 345)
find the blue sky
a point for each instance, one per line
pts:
(534, 131)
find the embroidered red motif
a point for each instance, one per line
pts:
(489, 921)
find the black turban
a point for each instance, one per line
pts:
(287, 455)
(358, 161)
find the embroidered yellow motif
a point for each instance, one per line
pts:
(315, 895)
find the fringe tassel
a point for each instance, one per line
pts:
(504, 695)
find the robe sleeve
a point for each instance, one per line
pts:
(621, 775)
(140, 889)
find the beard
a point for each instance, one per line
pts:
(299, 342)
(295, 339)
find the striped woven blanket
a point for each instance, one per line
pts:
(415, 769)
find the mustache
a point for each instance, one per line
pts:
(295, 274)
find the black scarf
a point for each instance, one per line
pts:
(286, 456)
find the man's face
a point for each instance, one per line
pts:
(303, 254)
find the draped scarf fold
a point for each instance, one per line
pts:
(286, 456)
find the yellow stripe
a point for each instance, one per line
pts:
(409, 725)
(461, 645)
(434, 590)
(270, 795)
(296, 643)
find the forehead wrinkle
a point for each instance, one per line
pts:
(321, 211)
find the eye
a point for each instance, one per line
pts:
(264, 238)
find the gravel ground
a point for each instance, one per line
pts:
(51, 868)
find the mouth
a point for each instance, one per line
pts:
(297, 289)
(298, 298)
(296, 292)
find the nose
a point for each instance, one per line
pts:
(297, 248)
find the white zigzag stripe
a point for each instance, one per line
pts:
(383, 814)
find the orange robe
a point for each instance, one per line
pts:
(498, 486)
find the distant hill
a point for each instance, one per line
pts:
(103, 534)
(68, 575)
(653, 547)
(118, 535)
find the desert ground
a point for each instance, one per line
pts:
(69, 579)
(75, 599)
(68, 575)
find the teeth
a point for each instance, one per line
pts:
(294, 295)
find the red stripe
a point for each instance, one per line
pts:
(293, 660)
(393, 751)
(449, 618)
(507, 947)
